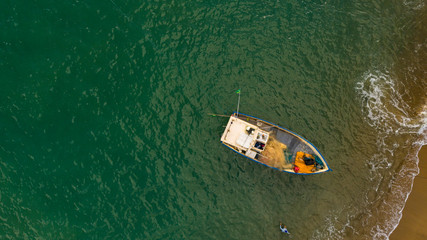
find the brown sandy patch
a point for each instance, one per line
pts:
(413, 224)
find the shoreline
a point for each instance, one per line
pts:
(413, 224)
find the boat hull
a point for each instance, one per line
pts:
(272, 146)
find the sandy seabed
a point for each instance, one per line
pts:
(413, 224)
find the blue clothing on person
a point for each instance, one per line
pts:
(283, 229)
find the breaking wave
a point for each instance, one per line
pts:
(393, 168)
(384, 107)
(386, 111)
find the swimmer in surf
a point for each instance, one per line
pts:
(283, 228)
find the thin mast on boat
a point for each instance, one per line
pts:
(238, 102)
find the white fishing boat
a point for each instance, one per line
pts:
(272, 145)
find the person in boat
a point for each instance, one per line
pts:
(283, 228)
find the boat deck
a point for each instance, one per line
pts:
(292, 142)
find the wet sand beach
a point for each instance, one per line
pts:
(413, 224)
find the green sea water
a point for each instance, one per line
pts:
(105, 130)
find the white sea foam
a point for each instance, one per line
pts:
(423, 125)
(385, 110)
(384, 106)
(415, 5)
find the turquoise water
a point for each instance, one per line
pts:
(105, 132)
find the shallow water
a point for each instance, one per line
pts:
(106, 133)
